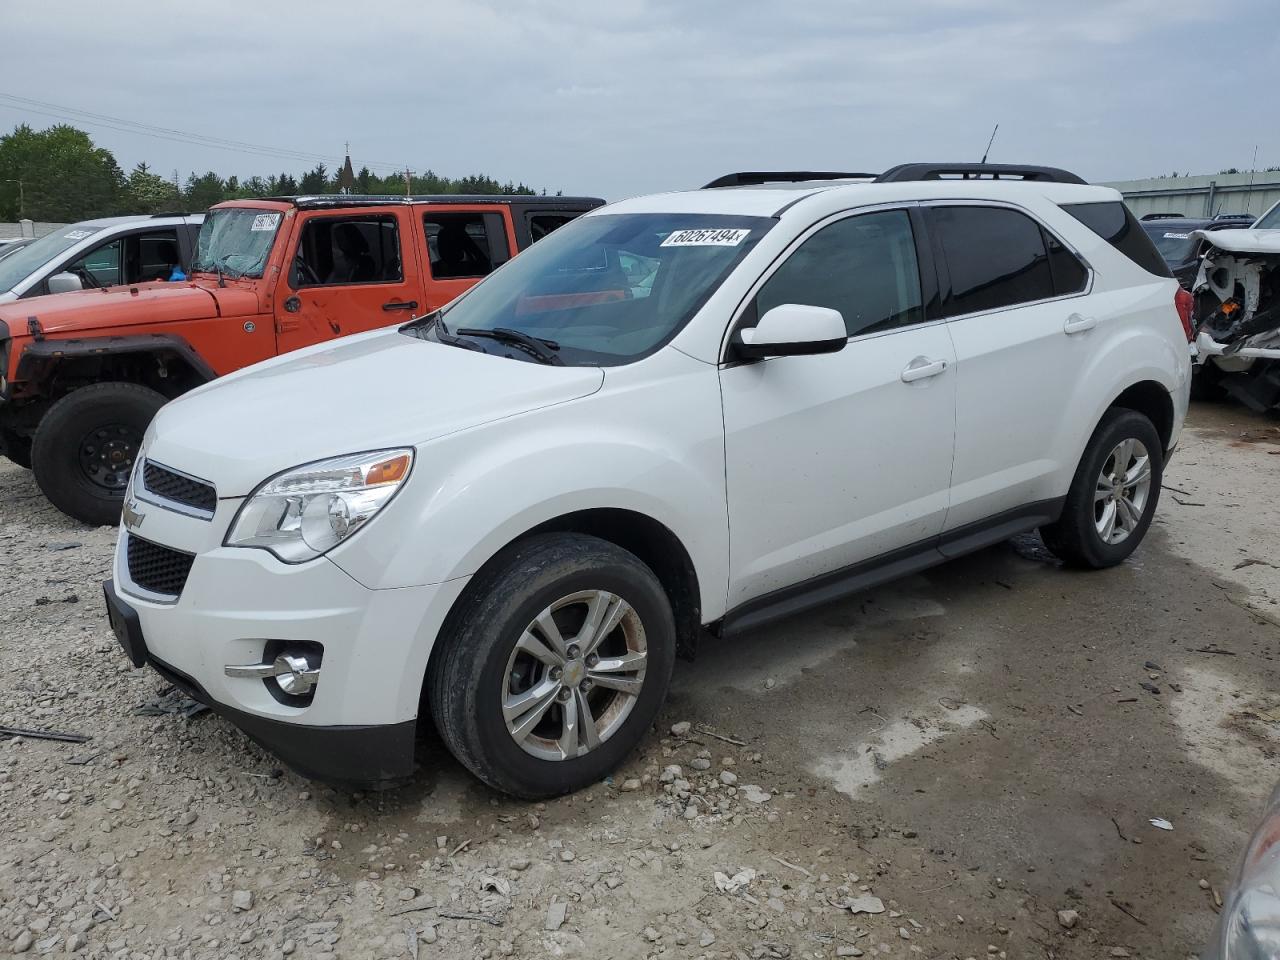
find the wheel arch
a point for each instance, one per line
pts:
(650, 540)
(1153, 401)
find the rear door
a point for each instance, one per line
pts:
(463, 245)
(346, 274)
(1014, 294)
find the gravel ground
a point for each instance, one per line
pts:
(961, 765)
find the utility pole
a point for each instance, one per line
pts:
(1253, 167)
(21, 198)
(408, 182)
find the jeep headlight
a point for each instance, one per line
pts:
(306, 511)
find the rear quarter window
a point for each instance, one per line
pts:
(1112, 221)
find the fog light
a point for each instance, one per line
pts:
(294, 673)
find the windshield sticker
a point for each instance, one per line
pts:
(77, 234)
(706, 238)
(265, 221)
(1177, 236)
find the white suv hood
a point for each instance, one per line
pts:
(382, 389)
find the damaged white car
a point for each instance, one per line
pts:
(1237, 294)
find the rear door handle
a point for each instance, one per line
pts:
(400, 305)
(922, 367)
(1078, 324)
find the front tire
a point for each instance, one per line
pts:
(1113, 495)
(553, 666)
(85, 447)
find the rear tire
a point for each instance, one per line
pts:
(1113, 495)
(540, 596)
(85, 447)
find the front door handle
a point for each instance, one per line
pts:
(922, 367)
(1078, 324)
(400, 305)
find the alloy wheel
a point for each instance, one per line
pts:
(574, 675)
(1122, 491)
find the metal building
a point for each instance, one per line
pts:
(1203, 196)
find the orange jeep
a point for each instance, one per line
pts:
(82, 374)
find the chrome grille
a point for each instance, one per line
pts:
(171, 485)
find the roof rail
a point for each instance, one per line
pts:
(755, 178)
(331, 200)
(976, 171)
(176, 213)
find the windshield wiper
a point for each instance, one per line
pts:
(421, 326)
(230, 271)
(538, 347)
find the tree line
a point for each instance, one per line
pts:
(60, 175)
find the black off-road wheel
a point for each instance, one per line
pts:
(1113, 495)
(85, 447)
(553, 666)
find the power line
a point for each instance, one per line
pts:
(119, 124)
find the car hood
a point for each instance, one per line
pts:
(92, 310)
(374, 390)
(1242, 241)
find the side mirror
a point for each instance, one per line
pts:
(64, 283)
(793, 329)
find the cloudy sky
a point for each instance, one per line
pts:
(620, 97)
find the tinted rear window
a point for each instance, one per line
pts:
(1112, 221)
(996, 258)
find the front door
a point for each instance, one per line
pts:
(838, 458)
(347, 274)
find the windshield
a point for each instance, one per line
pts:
(1269, 220)
(607, 289)
(1174, 245)
(8, 249)
(236, 240)
(18, 266)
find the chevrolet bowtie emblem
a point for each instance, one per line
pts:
(132, 518)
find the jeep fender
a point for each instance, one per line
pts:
(39, 355)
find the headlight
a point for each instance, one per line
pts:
(303, 512)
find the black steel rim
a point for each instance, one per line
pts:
(106, 456)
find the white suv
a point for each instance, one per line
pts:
(689, 412)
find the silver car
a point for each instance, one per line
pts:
(1249, 925)
(100, 253)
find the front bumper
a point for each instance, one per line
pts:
(375, 754)
(359, 724)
